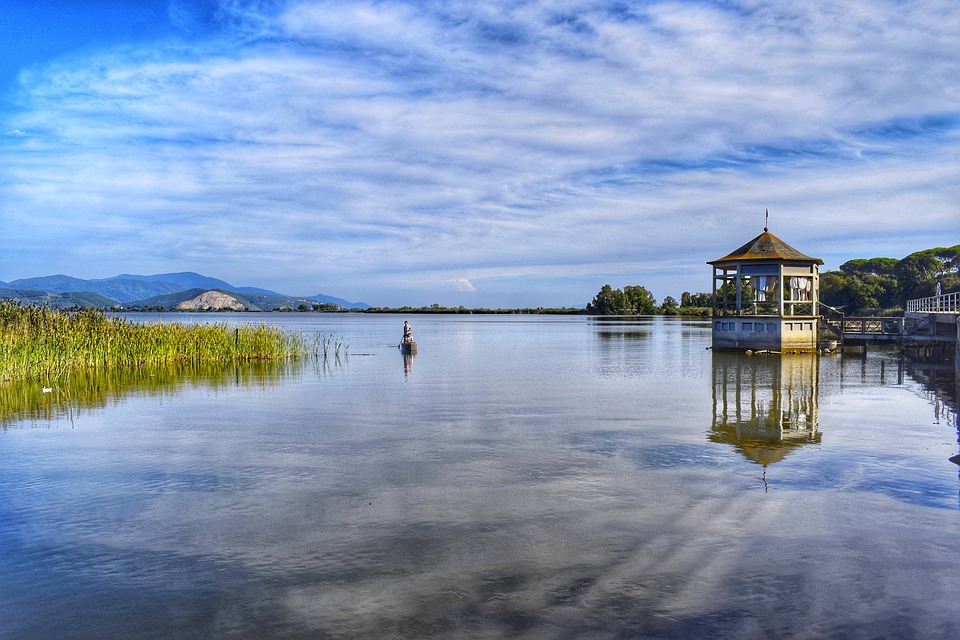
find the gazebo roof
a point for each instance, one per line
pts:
(765, 246)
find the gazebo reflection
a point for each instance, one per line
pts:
(765, 406)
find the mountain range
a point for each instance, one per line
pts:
(166, 290)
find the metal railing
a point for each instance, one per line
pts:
(946, 303)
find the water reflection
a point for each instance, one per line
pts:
(935, 369)
(621, 328)
(937, 373)
(765, 406)
(95, 388)
(938, 377)
(513, 495)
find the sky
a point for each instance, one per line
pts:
(486, 154)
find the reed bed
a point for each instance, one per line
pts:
(43, 344)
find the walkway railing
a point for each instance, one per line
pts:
(873, 326)
(946, 303)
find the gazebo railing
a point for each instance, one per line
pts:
(760, 308)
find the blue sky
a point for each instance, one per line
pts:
(494, 154)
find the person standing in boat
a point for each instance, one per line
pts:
(407, 332)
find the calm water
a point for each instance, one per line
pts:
(526, 477)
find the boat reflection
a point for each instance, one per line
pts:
(83, 389)
(765, 406)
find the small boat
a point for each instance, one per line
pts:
(408, 347)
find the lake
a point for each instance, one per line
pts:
(519, 476)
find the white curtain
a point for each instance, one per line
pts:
(764, 287)
(802, 286)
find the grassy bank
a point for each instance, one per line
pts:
(44, 344)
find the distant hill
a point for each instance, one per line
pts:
(188, 280)
(165, 300)
(249, 301)
(340, 301)
(271, 301)
(117, 289)
(160, 290)
(68, 300)
(213, 300)
(51, 284)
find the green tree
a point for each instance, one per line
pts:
(638, 300)
(608, 301)
(688, 299)
(633, 299)
(870, 266)
(867, 284)
(833, 290)
(919, 273)
(864, 293)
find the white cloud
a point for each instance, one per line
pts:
(462, 284)
(533, 144)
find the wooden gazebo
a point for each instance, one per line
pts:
(765, 297)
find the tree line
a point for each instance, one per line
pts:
(870, 285)
(637, 300)
(863, 286)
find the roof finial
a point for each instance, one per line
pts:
(766, 221)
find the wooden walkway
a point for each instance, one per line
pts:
(931, 320)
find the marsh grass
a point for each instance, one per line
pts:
(45, 345)
(327, 345)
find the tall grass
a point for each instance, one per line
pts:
(327, 345)
(42, 344)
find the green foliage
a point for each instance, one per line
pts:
(607, 302)
(67, 300)
(918, 273)
(872, 266)
(633, 299)
(688, 299)
(639, 301)
(863, 285)
(869, 285)
(43, 343)
(833, 289)
(859, 291)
